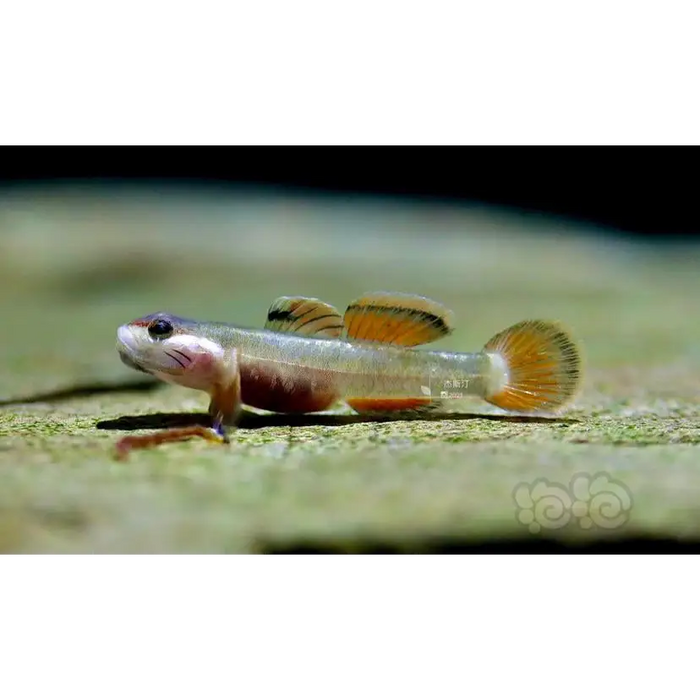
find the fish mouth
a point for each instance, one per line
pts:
(129, 362)
(125, 348)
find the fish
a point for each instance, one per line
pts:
(307, 357)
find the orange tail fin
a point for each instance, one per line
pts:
(535, 367)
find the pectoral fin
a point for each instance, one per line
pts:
(225, 404)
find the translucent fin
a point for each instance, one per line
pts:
(535, 367)
(398, 319)
(304, 316)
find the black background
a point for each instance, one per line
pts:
(635, 174)
(655, 199)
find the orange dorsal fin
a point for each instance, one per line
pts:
(304, 316)
(397, 319)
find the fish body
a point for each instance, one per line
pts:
(290, 373)
(308, 357)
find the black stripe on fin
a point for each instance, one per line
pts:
(305, 316)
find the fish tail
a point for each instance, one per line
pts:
(535, 366)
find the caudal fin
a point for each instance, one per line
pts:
(535, 367)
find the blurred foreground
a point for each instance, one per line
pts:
(77, 263)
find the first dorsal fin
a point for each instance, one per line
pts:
(305, 316)
(397, 319)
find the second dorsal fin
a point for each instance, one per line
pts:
(397, 319)
(305, 316)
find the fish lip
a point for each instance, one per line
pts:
(129, 362)
(125, 350)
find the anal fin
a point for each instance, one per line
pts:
(305, 316)
(388, 405)
(397, 319)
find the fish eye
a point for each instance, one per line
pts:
(160, 329)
